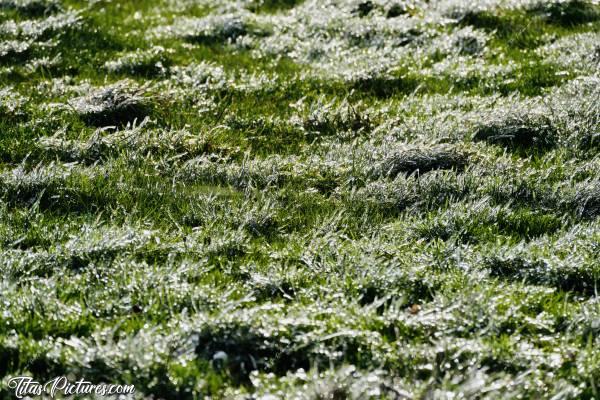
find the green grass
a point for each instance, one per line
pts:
(301, 199)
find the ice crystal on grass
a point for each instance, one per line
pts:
(579, 51)
(271, 5)
(115, 104)
(519, 133)
(255, 173)
(587, 199)
(151, 62)
(39, 29)
(44, 182)
(395, 196)
(58, 87)
(11, 49)
(135, 139)
(346, 382)
(465, 41)
(211, 29)
(200, 76)
(568, 12)
(97, 243)
(327, 118)
(31, 7)
(576, 274)
(11, 102)
(421, 161)
(302, 199)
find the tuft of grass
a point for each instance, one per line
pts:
(113, 105)
(421, 161)
(148, 63)
(519, 133)
(587, 200)
(33, 8)
(568, 13)
(272, 6)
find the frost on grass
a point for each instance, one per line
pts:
(464, 41)
(545, 262)
(587, 199)
(568, 12)
(31, 7)
(519, 133)
(115, 104)
(344, 199)
(11, 102)
(421, 161)
(395, 196)
(43, 183)
(200, 76)
(332, 117)
(95, 243)
(41, 29)
(346, 382)
(137, 139)
(150, 62)
(226, 28)
(12, 49)
(580, 51)
(43, 63)
(250, 173)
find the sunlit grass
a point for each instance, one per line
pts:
(302, 199)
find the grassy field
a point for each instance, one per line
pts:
(319, 199)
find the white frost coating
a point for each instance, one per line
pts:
(580, 51)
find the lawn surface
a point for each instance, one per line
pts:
(319, 199)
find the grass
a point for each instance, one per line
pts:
(301, 199)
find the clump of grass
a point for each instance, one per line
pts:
(272, 5)
(11, 102)
(150, 62)
(397, 9)
(136, 140)
(42, 29)
(423, 160)
(261, 222)
(229, 244)
(513, 28)
(580, 51)
(590, 141)
(345, 382)
(101, 244)
(568, 13)
(576, 278)
(268, 134)
(475, 222)
(12, 50)
(364, 8)
(535, 133)
(587, 200)
(28, 187)
(333, 118)
(241, 346)
(267, 288)
(392, 197)
(213, 29)
(116, 104)
(383, 84)
(469, 41)
(31, 7)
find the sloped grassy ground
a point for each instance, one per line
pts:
(325, 199)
